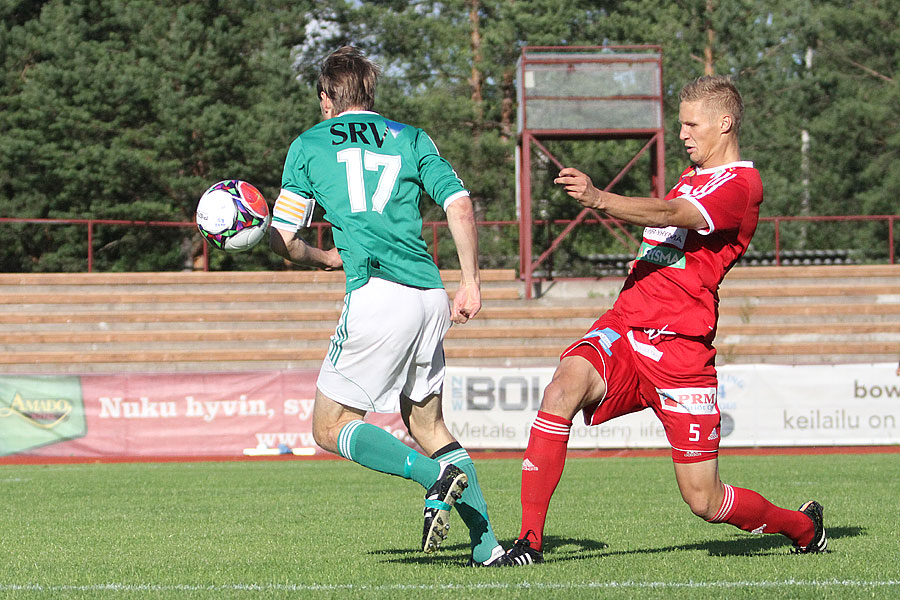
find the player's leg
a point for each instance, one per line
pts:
(710, 499)
(425, 422)
(595, 375)
(341, 429)
(685, 401)
(575, 384)
(329, 417)
(365, 359)
(419, 380)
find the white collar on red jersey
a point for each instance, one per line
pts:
(733, 165)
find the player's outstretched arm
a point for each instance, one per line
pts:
(288, 245)
(648, 212)
(461, 219)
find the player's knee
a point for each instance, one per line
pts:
(321, 437)
(701, 505)
(558, 400)
(325, 435)
(566, 394)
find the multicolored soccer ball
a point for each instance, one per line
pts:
(233, 215)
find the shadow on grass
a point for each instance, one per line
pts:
(564, 548)
(409, 556)
(744, 545)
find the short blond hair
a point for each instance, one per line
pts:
(348, 78)
(718, 94)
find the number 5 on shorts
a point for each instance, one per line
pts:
(695, 432)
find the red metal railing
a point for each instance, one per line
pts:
(431, 230)
(89, 224)
(847, 218)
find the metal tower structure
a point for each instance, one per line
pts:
(585, 93)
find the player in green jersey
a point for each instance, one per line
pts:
(386, 355)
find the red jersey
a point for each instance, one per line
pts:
(675, 281)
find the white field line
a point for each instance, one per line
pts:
(312, 587)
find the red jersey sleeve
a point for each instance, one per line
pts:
(722, 200)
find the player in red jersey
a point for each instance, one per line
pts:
(654, 349)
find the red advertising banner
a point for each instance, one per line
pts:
(222, 414)
(146, 415)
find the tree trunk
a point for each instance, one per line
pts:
(508, 104)
(477, 78)
(476, 81)
(709, 67)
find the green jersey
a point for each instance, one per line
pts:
(368, 173)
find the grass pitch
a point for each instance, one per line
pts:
(331, 529)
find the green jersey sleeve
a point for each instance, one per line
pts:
(438, 178)
(294, 206)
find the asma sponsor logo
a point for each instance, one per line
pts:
(661, 255)
(696, 401)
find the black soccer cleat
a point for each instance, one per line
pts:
(498, 558)
(523, 554)
(439, 500)
(819, 543)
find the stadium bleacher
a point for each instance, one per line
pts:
(215, 321)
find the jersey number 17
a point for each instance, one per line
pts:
(355, 160)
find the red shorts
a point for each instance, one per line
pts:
(673, 375)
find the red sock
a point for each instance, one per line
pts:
(542, 468)
(747, 510)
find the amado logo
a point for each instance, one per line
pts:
(45, 413)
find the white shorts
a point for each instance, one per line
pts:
(389, 341)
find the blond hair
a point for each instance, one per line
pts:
(348, 78)
(718, 95)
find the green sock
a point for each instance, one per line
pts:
(472, 507)
(376, 449)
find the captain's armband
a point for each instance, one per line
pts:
(292, 211)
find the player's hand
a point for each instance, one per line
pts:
(579, 186)
(332, 260)
(466, 302)
(631, 264)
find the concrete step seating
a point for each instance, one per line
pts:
(196, 321)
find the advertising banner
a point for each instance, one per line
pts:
(222, 414)
(39, 411)
(158, 415)
(761, 405)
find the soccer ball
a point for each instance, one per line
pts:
(233, 215)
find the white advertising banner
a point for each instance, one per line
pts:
(761, 405)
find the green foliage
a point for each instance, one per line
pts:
(130, 109)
